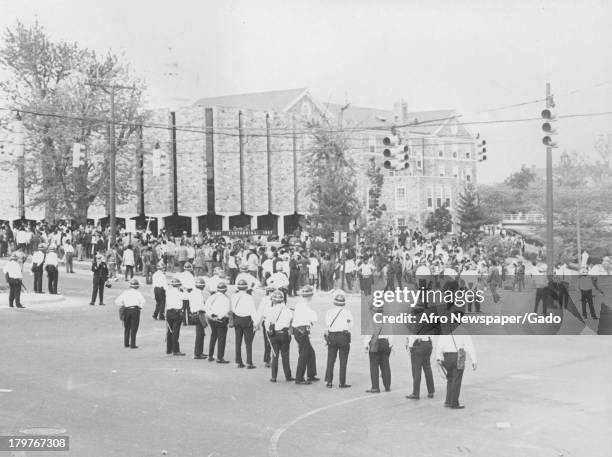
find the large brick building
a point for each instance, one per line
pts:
(238, 161)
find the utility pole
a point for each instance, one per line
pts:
(549, 196)
(578, 240)
(112, 191)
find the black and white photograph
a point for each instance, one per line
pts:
(299, 228)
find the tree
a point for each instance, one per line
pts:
(521, 179)
(332, 185)
(440, 221)
(55, 78)
(471, 215)
(376, 178)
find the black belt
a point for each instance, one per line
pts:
(341, 332)
(132, 307)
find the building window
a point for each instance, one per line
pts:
(441, 170)
(455, 171)
(401, 222)
(372, 144)
(468, 177)
(419, 164)
(439, 198)
(454, 154)
(467, 154)
(440, 153)
(429, 198)
(400, 198)
(447, 197)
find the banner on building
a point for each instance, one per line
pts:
(241, 232)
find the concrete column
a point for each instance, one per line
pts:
(225, 223)
(280, 226)
(194, 225)
(160, 222)
(254, 222)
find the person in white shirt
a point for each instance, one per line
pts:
(174, 317)
(544, 292)
(38, 261)
(278, 318)
(160, 284)
(263, 309)
(218, 309)
(313, 270)
(214, 280)
(68, 256)
(132, 301)
(379, 346)
(247, 277)
(187, 285)
(279, 280)
(451, 352)
(304, 317)
(243, 309)
(52, 273)
(14, 278)
(267, 267)
(339, 322)
(420, 348)
(128, 261)
(586, 283)
(197, 302)
(365, 271)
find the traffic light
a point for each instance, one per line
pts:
(549, 127)
(481, 149)
(78, 155)
(396, 154)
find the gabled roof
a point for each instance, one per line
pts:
(276, 100)
(425, 122)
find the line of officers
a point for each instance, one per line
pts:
(207, 302)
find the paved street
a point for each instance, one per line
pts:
(66, 368)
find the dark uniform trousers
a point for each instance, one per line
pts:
(243, 327)
(160, 302)
(266, 343)
(453, 379)
(38, 278)
(52, 278)
(131, 320)
(379, 367)
(544, 294)
(280, 343)
(200, 333)
(98, 289)
(174, 318)
(420, 358)
(338, 342)
(14, 291)
(307, 361)
(586, 296)
(218, 331)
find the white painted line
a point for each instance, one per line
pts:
(5, 391)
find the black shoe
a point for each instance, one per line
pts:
(20, 306)
(273, 380)
(388, 389)
(431, 395)
(251, 367)
(211, 359)
(222, 361)
(102, 304)
(200, 357)
(162, 318)
(329, 384)
(457, 407)
(344, 386)
(241, 365)
(179, 353)
(127, 346)
(11, 306)
(155, 317)
(168, 352)
(313, 379)
(373, 391)
(291, 379)
(412, 397)
(92, 304)
(134, 347)
(303, 383)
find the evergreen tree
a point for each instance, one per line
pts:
(471, 215)
(440, 221)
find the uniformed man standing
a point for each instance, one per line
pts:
(243, 308)
(246, 276)
(420, 348)
(132, 301)
(52, 273)
(217, 309)
(197, 304)
(187, 285)
(14, 278)
(451, 353)
(100, 276)
(586, 284)
(264, 306)
(160, 284)
(304, 318)
(278, 317)
(339, 321)
(174, 317)
(38, 262)
(379, 346)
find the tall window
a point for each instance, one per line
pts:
(447, 197)
(455, 171)
(440, 153)
(429, 198)
(441, 170)
(439, 197)
(401, 222)
(372, 143)
(400, 198)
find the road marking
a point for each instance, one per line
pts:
(5, 391)
(273, 445)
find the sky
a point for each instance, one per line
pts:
(473, 56)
